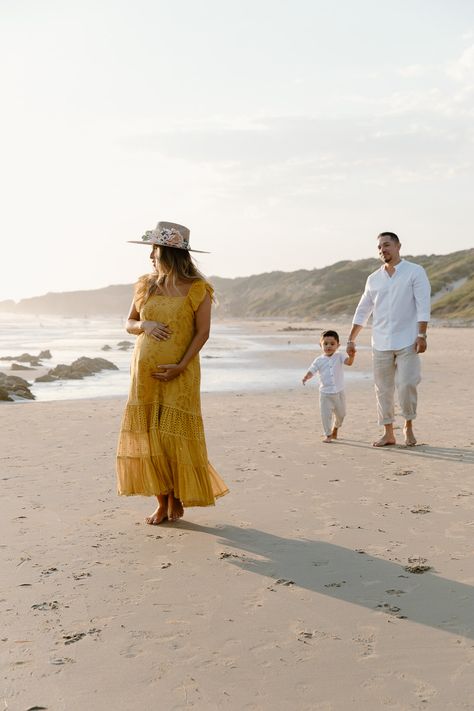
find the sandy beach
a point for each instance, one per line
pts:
(294, 592)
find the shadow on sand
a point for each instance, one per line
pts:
(352, 576)
(448, 454)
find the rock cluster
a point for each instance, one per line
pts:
(13, 385)
(121, 345)
(80, 368)
(28, 358)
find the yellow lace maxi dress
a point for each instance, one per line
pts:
(161, 445)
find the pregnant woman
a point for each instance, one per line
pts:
(162, 449)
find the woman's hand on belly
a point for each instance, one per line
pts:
(167, 372)
(156, 330)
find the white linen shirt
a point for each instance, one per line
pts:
(397, 302)
(331, 372)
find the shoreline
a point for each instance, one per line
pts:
(276, 360)
(299, 571)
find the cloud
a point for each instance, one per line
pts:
(412, 70)
(397, 137)
(462, 69)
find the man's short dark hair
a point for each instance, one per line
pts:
(391, 236)
(330, 334)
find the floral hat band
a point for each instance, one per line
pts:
(168, 234)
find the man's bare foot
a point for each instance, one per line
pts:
(175, 508)
(410, 439)
(385, 441)
(327, 439)
(334, 433)
(158, 516)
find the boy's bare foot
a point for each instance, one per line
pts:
(158, 516)
(385, 441)
(327, 439)
(175, 508)
(410, 439)
(334, 433)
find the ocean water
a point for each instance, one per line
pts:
(236, 358)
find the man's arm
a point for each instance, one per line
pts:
(422, 294)
(421, 343)
(351, 348)
(361, 316)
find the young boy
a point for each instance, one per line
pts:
(332, 400)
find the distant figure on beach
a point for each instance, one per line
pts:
(330, 367)
(398, 296)
(162, 449)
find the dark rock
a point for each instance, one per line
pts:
(25, 393)
(4, 396)
(106, 348)
(15, 385)
(80, 368)
(93, 365)
(124, 345)
(18, 366)
(27, 358)
(45, 354)
(24, 358)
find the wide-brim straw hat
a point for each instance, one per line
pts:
(168, 234)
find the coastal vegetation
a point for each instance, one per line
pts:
(302, 294)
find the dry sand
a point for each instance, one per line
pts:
(292, 593)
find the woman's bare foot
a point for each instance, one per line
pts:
(385, 441)
(175, 508)
(334, 433)
(410, 439)
(158, 516)
(327, 439)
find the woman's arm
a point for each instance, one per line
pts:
(133, 324)
(202, 327)
(158, 331)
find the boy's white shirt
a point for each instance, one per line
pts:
(331, 372)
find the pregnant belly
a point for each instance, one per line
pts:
(151, 353)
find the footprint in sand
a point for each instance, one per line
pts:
(71, 638)
(280, 581)
(395, 592)
(335, 585)
(49, 571)
(421, 509)
(283, 581)
(417, 566)
(46, 605)
(392, 609)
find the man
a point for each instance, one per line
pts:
(398, 296)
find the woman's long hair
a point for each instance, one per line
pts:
(172, 265)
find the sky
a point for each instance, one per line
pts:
(284, 134)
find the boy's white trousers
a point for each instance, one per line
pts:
(333, 410)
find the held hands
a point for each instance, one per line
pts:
(351, 349)
(156, 330)
(168, 372)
